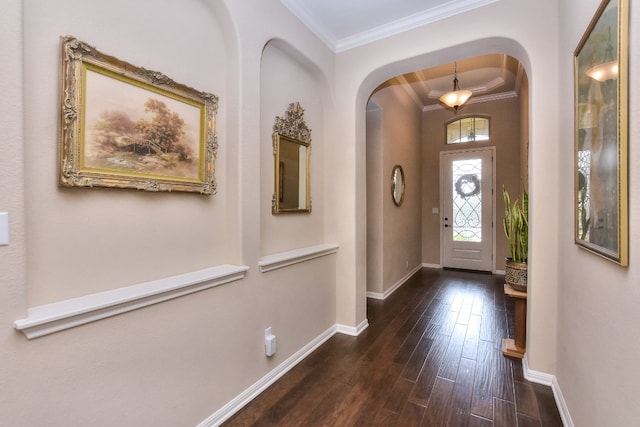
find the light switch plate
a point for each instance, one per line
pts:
(4, 228)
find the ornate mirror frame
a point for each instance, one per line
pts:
(397, 185)
(292, 158)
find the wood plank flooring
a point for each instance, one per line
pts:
(430, 357)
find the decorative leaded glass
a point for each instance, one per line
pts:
(467, 200)
(584, 182)
(468, 129)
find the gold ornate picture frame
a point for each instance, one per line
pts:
(123, 126)
(292, 160)
(601, 134)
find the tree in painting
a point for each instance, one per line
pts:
(164, 130)
(154, 143)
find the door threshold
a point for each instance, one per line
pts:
(466, 270)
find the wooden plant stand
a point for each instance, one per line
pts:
(516, 347)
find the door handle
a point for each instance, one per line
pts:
(446, 225)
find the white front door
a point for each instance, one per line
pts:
(467, 206)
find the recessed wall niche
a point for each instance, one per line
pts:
(287, 76)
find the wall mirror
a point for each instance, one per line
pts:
(397, 185)
(292, 155)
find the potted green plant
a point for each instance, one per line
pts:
(516, 229)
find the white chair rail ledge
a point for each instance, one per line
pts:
(284, 259)
(57, 316)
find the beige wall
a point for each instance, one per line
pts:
(101, 247)
(598, 315)
(177, 362)
(286, 76)
(504, 136)
(375, 196)
(393, 231)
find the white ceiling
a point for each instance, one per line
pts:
(345, 24)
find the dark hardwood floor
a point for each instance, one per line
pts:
(430, 357)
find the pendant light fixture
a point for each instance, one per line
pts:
(456, 97)
(608, 69)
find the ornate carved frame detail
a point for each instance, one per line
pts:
(106, 151)
(291, 194)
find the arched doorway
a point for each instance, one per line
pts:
(394, 235)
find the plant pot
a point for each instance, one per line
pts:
(515, 274)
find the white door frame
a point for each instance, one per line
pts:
(493, 199)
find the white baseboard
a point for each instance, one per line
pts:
(224, 413)
(562, 405)
(536, 376)
(228, 410)
(350, 330)
(392, 289)
(427, 265)
(549, 380)
(500, 272)
(375, 295)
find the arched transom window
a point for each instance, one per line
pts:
(468, 129)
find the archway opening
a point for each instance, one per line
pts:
(406, 125)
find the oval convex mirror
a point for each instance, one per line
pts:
(397, 185)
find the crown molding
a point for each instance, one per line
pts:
(383, 31)
(310, 22)
(409, 23)
(409, 90)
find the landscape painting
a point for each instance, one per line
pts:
(128, 127)
(132, 130)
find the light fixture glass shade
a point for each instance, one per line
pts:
(456, 98)
(603, 72)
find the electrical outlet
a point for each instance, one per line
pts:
(4, 228)
(269, 342)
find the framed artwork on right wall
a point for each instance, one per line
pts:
(601, 133)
